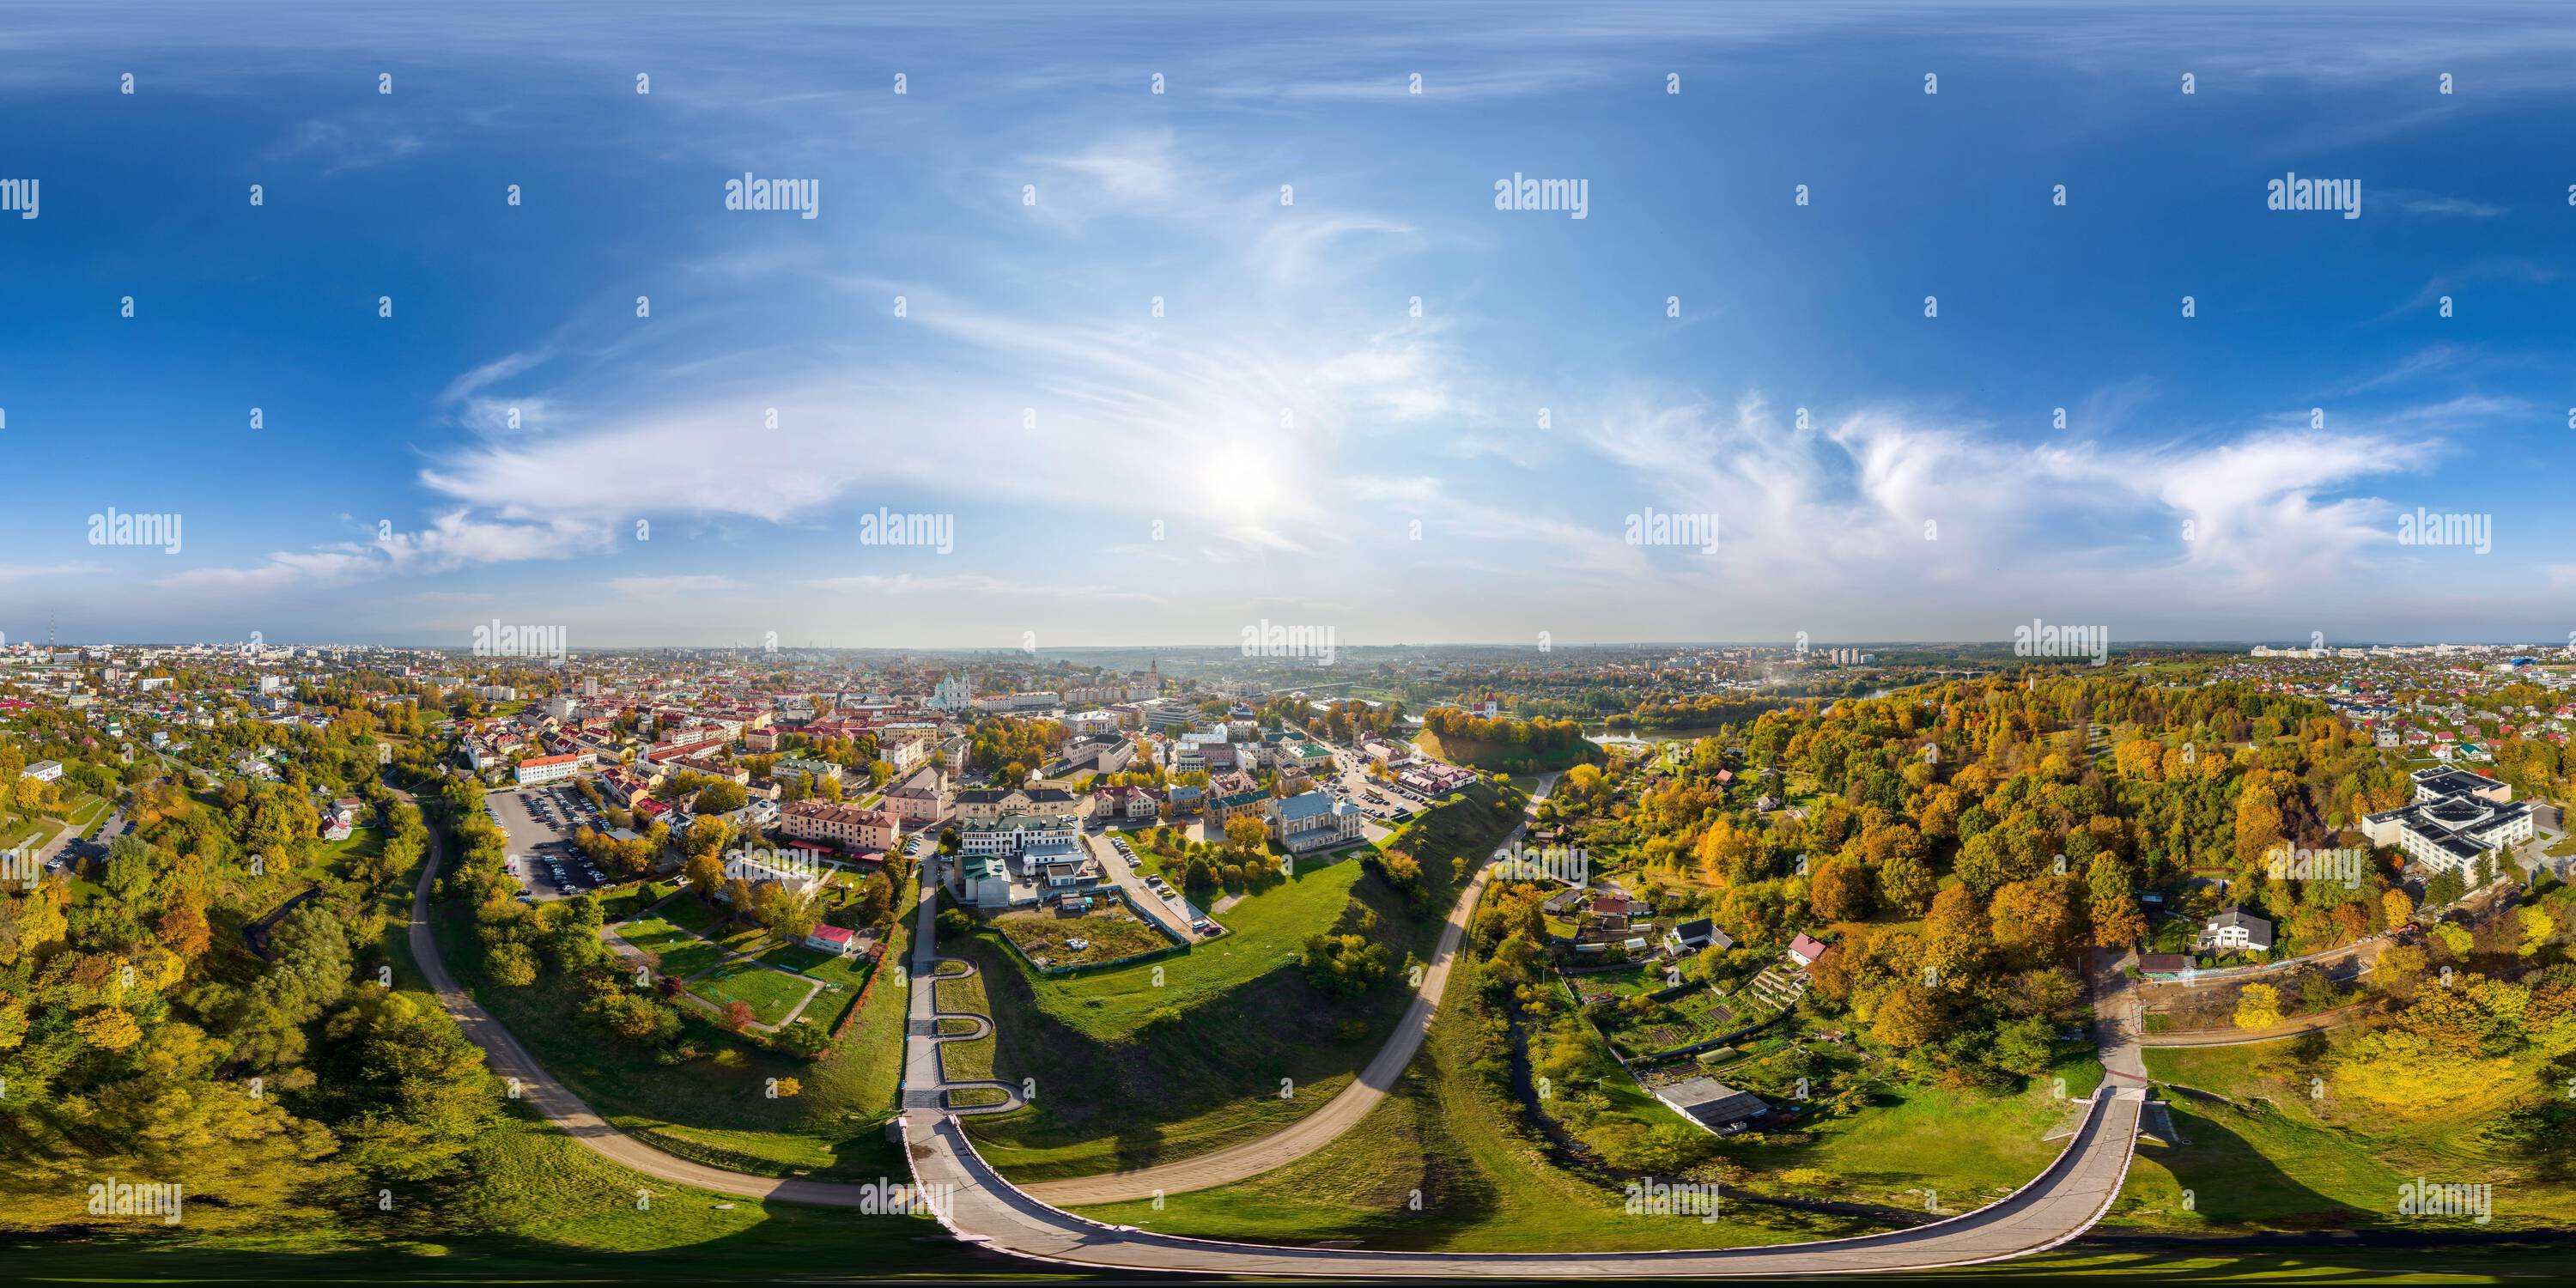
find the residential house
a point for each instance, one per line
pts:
(923, 798)
(2236, 931)
(1694, 936)
(1123, 804)
(836, 940)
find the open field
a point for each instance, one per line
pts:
(693, 914)
(1265, 932)
(1107, 935)
(1967, 1147)
(770, 994)
(675, 951)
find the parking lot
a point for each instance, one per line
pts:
(540, 822)
(1151, 892)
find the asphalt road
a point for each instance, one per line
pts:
(1315, 1130)
(982, 1208)
(2057, 1206)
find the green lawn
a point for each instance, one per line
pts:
(770, 994)
(865, 1073)
(674, 951)
(89, 813)
(626, 902)
(362, 842)
(693, 914)
(1264, 933)
(28, 830)
(964, 995)
(1967, 1146)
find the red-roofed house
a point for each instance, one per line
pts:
(831, 939)
(1806, 950)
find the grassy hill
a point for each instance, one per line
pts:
(2263, 1152)
(1186, 1055)
(1439, 1165)
(711, 1108)
(1503, 757)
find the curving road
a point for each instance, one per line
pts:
(980, 1207)
(1307, 1134)
(2061, 1203)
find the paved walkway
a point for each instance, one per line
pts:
(926, 1084)
(1315, 1130)
(983, 1208)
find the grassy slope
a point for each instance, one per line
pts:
(2270, 1156)
(1482, 1185)
(547, 1209)
(1119, 1092)
(1498, 757)
(710, 1109)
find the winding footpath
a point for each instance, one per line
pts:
(980, 1207)
(926, 1084)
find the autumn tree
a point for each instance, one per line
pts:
(1839, 890)
(1955, 939)
(1906, 1019)
(1906, 884)
(2258, 1007)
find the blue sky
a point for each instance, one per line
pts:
(1290, 439)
